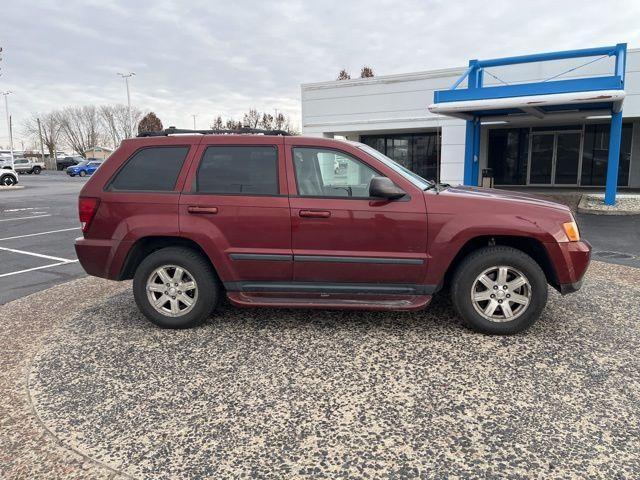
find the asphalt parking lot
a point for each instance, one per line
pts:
(37, 227)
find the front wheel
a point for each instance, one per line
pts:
(175, 288)
(37, 170)
(7, 181)
(499, 290)
(82, 173)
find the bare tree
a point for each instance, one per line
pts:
(115, 122)
(217, 124)
(81, 127)
(366, 72)
(150, 123)
(50, 127)
(343, 75)
(266, 121)
(251, 118)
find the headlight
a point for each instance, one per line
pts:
(571, 229)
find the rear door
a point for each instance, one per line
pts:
(339, 233)
(235, 205)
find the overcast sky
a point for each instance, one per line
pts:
(224, 57)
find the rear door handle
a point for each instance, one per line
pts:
(196, 209)
(315, 213)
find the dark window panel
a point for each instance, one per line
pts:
(252, 170)
(151, 169)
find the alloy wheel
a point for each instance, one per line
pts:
(172, 290)
(501, 294)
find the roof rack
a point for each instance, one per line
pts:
(237, 131)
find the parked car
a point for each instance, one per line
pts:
(27, 165)
(84, 168)
(66, 162)
(267, 221)
(8, 176)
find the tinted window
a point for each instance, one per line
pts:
(154, 169)
(328, 173)
(250, 170)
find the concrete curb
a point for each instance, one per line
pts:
(593, 204)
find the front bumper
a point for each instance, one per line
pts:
(570, 261)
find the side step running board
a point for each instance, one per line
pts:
(329, 301)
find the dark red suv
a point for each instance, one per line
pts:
(288, 221)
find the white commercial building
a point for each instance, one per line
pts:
(562, 146)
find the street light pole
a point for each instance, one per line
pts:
(6, 107)
(126, 77)
(194, 122)
(42, 144)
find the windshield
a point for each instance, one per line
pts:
(414, 178)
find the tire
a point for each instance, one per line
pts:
(197, 267)
(37, 170)
(82, 173)
(491, 262)
(7, 181)
(71, 175)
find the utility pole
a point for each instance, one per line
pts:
(194, 122)
(126, 77)
(42, 144)
(6, 107)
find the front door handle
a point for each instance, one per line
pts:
(196, 209)
(315, 213)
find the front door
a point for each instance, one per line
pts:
(555, 158)
(342, 236)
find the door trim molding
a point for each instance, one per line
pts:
(261, 257)
(352, 259)
(326, 287)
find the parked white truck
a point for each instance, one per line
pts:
(27, 165)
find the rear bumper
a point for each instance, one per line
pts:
(570, 261)
(101, 258)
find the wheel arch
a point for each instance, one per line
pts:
(531, 246)
(147, 245)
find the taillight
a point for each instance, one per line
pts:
(87, 207)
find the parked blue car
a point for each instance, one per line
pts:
(86, 167)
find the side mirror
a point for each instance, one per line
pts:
(383, 187)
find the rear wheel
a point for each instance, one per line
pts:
(37, 170)
(175, 288)
(499, 290)
(82, 173)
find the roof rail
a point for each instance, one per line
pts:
(238, 131)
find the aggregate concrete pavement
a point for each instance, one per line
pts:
(96, 390)
(37, 227)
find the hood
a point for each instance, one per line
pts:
(477, 197)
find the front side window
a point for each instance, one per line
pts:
(249, 170)
(330, 173)
(151, 169)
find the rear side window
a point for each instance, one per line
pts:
(154, 169)
(251, 170)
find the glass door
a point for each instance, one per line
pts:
(567, 161)
(541, 164)
(555, 157)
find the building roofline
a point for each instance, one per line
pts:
(399, 77)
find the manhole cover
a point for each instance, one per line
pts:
(614, 255)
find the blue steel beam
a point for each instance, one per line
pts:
(615, 138)
(543, 57)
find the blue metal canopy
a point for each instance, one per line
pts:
(601, 94)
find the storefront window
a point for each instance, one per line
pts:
(595, 155)
(419, 152)
(508, 155)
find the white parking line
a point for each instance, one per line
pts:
(37, 268)
(40, 233)
(40, 255)
(24, 218)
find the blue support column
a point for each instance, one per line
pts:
(615, 138)
(469, 142)
(476, 150)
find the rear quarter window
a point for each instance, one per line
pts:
(151, 169)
